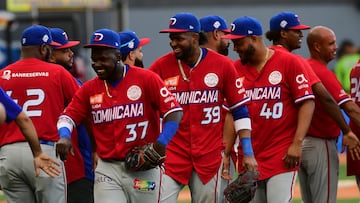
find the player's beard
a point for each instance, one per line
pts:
(224, 49)
(249, 52)
(139, 63)
(186, 53)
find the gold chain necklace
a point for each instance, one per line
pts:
(185, 78)
(106, 86)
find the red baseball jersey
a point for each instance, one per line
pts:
(322, 125)
(275, 94)
(353, 165)
(126, 115)
(198, 142)
(313, 78)
(43, 90)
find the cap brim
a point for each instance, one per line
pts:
(300, 27)
(173, 30)
(144, 41)
(226, 31)
(232, 36)
(67, 45)
(99, 45)
(54, 44)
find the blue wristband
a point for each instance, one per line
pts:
(64, 132)
(170, 128)
(246, 146)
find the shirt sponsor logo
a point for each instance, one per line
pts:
(172, 82)
(264, 93)
(144, 185)
(197, 97)
(96, 99)
(118, 113)
(7, 75)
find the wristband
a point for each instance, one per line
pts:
(170, 128)
(246, 146)
(64, 132)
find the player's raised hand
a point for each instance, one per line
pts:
(352, 143)
(249, 163)
(225, 173)
(48, 165)
(293, 155)
(63, 146)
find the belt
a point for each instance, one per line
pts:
(47, 142)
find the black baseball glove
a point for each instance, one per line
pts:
(144, 158)
(242, 190)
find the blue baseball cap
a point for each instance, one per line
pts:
(244, 27)
(104, 38)
(58, 35)
(211, 23)
(36, 35)
(130, 41)
(286, 21)
(183, 22)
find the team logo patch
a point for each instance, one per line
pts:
(134, 92)
(211, 79)
(144, 185)
(275, 77)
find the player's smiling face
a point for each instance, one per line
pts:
(182, 44)
(293, 39)
(244, 48)
(104, 62)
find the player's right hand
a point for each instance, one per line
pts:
(249, 163)
(48, 165)
(63, 146)
(353, 144)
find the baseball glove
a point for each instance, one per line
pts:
(242, 190)
(143, 158)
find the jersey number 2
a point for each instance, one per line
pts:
(39, 93)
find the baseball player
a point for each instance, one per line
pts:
(200, 79)
(352, 166)
(131, 48)
(286, 34)
(281, 108)
(211, 29)
(42, 89)
(125, 104)
(79, 165)
(320, 162)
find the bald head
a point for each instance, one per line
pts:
(321, 42)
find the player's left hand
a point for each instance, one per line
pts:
(48, 165)
(353, 144)
(63, 146)
(293, 155)
(225, 173)
(249, 163)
